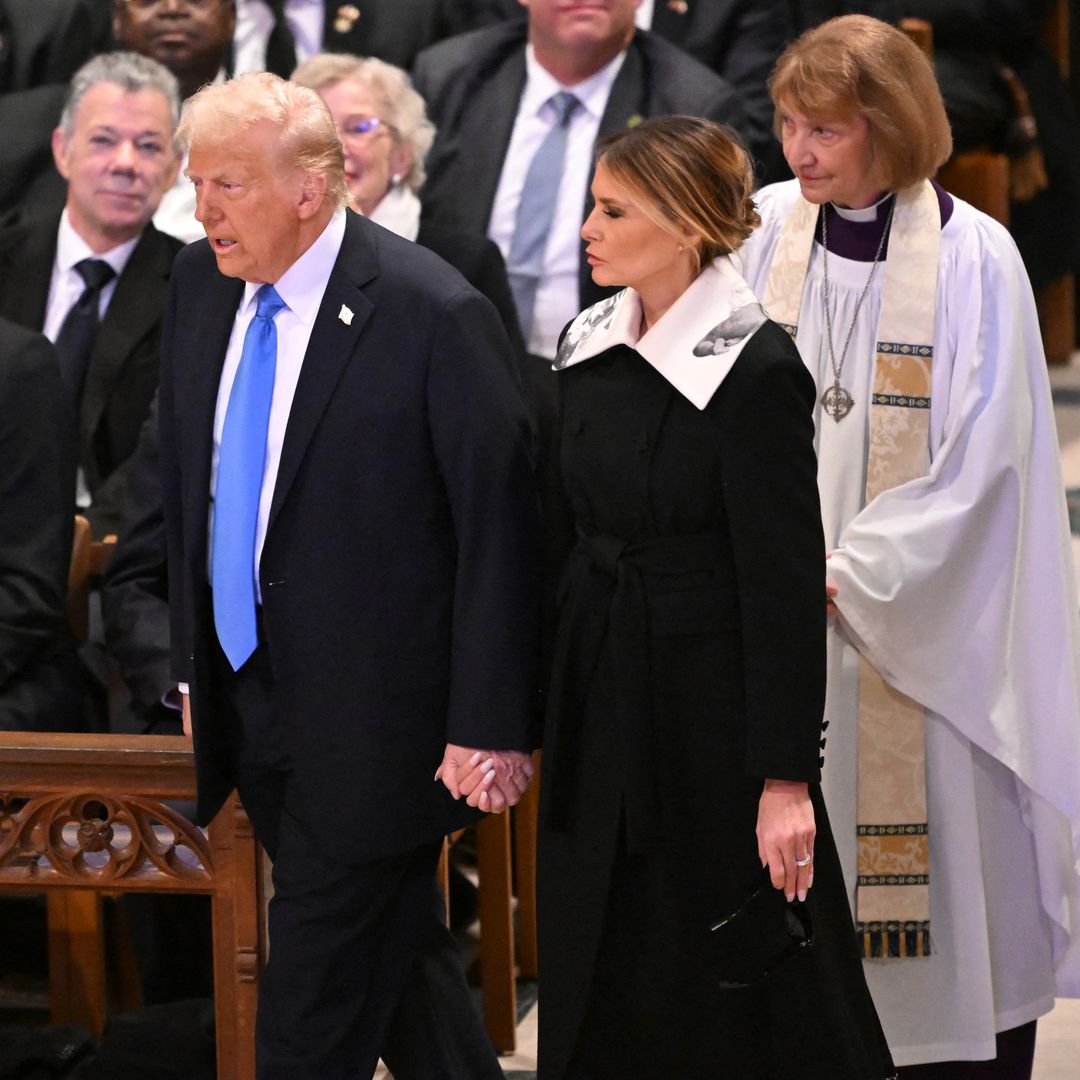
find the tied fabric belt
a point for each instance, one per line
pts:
(603, 598)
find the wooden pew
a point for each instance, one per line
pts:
(84, 815)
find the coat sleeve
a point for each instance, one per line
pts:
(37, 485)
(482, 443)
(135, 594)
(771, 499)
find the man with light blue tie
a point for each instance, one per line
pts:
(352, 526)
(519, 108)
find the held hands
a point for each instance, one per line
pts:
(490, 780)
(785, 835)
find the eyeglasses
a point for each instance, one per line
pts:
(145, 7)
(362, 127)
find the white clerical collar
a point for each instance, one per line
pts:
(867, 213)
(302, 286)
(593, 92)
(693, 345)
(71, 248)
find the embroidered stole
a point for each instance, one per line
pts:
(892, 899)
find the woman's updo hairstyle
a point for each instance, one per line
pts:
(690, 175)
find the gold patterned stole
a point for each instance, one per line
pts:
(892, 898)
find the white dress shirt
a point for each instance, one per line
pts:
(557, 297)
(255, 21)
(643, 15)
(301, 287)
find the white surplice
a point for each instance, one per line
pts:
(959, 588)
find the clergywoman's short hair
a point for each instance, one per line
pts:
(858, 66)
(307, 137)
(400, 106)
(689, 174)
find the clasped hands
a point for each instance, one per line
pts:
(490, 780)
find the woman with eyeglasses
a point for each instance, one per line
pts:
(693, 918)
(386, 135)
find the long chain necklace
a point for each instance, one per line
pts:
(836, 401)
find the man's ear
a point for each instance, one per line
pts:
(311, 195)
(59, 151)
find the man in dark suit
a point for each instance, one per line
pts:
(738, 39)
(113, 146)
(351, 522)
(39, 679)
(490, 106)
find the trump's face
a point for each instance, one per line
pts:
(118, 161)
(249, 201)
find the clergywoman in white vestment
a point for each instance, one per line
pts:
(953, 767)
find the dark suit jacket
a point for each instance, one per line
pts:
(39, 681)
(41, 46)
(473, 83)
(396, 30)
(398, 576)
(481, 264)
(135, 592)
(123, 371)
(738, 39)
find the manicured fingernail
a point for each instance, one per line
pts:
(475, 759)
(490, 763)
(790, 897)
(489, 776)
(802, 896)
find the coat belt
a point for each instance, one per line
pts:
(603, 596)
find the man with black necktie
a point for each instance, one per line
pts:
(92, 278)
(352, 529)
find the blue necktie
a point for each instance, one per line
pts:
(525, 262)
(241, 461)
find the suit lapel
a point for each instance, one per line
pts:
(487, 110)
(135, 307)
(331, 348)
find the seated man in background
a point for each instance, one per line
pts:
(92, 278)
(39, 678)
(518, 108)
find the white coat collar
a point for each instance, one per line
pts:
(693, 345)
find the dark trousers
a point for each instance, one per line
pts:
(361, 962)
(1013, 1061)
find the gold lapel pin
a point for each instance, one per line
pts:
(346, 19)
(345, 315)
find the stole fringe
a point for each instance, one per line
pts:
(893, 940)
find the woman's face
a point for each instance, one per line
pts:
(373, 151)
(625, 247)
(832, 160)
